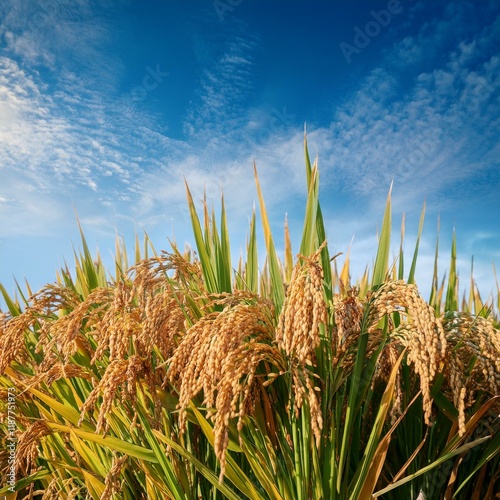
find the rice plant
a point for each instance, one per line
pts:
(184, 377)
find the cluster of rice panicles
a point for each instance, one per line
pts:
(142, 312)
(124, 323)
(473, 360)
(28, 446)
(162, 301)
(348, 314)
(57, 487)
(385, 364)
(55, 314)
(58, 371)
(158, 325)
(421, 332)
(298, 332)
(120, 378)
(42, 312)
(66, 334)
(141, 316)
(112, 481)
(136, 316)
(219, 355)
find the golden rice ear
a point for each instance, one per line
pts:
(59, 371)
(473, 361)
(120, 378)
(12, 341)
(112, 482)
(304, 311)
(348, 315)
(298, 332)
(219, 355)
(27, 447)
(421, 332)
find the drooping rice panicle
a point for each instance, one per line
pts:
(473, 359)
(421, 333)
(219, 356)
(298, 331)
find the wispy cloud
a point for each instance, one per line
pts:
(225, 83)
(426, 124)
(49, 34)
(46, 144)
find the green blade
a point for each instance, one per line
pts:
(382, 260)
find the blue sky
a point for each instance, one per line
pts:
(107, 106)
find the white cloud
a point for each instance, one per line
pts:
(225, 82)
(421, 131)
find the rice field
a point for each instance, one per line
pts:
(183, 376)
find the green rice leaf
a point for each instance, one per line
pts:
(277, 289)
(201, 467)
(309, 241)
(451, 303)
(205, 259)
(108, 442)
(382, 260)
(423, 470)
(411, 275)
